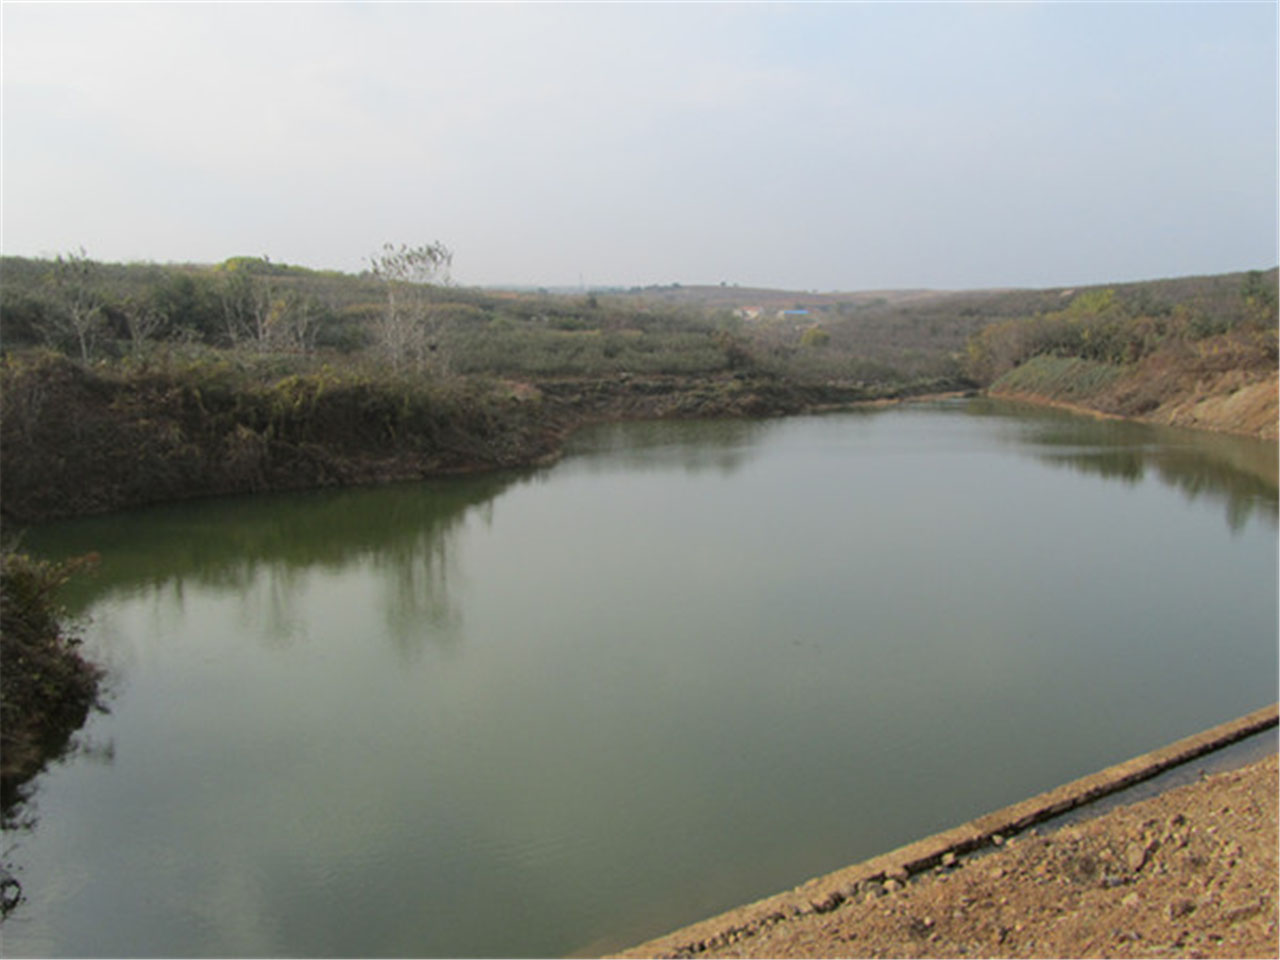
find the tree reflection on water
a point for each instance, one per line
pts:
(262, 549)
(1239, 472)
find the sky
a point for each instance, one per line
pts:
(813, 146)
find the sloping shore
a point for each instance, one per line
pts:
(1190, 872)
(1207, 392)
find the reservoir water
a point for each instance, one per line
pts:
(690, 665)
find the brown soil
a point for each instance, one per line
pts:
(1191, 872)
(1223, 384)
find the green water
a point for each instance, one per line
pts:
(690, 665)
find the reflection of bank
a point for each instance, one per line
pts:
(695, 445)
(1239, 472)
(10, 891)
(262, 549)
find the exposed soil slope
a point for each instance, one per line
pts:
(1189, 873)
(1223, 383)
(1208, 849)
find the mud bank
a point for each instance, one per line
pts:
(938, 897)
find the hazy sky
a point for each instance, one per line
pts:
(814, 146)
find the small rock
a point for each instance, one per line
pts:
(1130, 900)
(1180, 908)
(948, 859)
(997, 839)
(829, 902)
(1135, 856)
(892, 885)
(1241, 913)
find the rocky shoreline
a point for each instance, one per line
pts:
(1189, 872)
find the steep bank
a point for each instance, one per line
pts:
(78, 441)
(1216, 384)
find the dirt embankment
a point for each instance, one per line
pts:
(1191, 872)
(1221, 383)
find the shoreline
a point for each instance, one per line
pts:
(83, 441)
(1248, 410)
(896, 868)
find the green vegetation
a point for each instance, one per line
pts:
(79, 439)
(1066, 377)
(132, 384)
(1119, 327)
(402, 315)
(124, 385)
(1207, 359)
(46, 687)
(128, 384)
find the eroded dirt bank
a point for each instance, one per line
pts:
(1205, 395)
(1191, 872)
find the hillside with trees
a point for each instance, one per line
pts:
(1194, 352)
(127, 384)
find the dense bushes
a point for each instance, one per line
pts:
(1100, 327)
(82, 440)
(46, 687)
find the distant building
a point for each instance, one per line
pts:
(749, 313)
(798, 312)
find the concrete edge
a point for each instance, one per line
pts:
(827, 892)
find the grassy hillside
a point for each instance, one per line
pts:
(1206, 359)
(94, 311)
(131, 384)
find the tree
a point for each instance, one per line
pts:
(245, 295)
(406, 331)
(75, 285)
(143, 321)
(815, 337)
(292, 323)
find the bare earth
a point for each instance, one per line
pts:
(1191, 872)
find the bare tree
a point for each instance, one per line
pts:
(246, 303)
(143, 321)
(406, 332)
(75, 284)
(292, 323)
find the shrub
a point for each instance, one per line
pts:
(47, 688)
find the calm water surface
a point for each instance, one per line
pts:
(691, 665)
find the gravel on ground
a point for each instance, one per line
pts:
(1191, 872)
